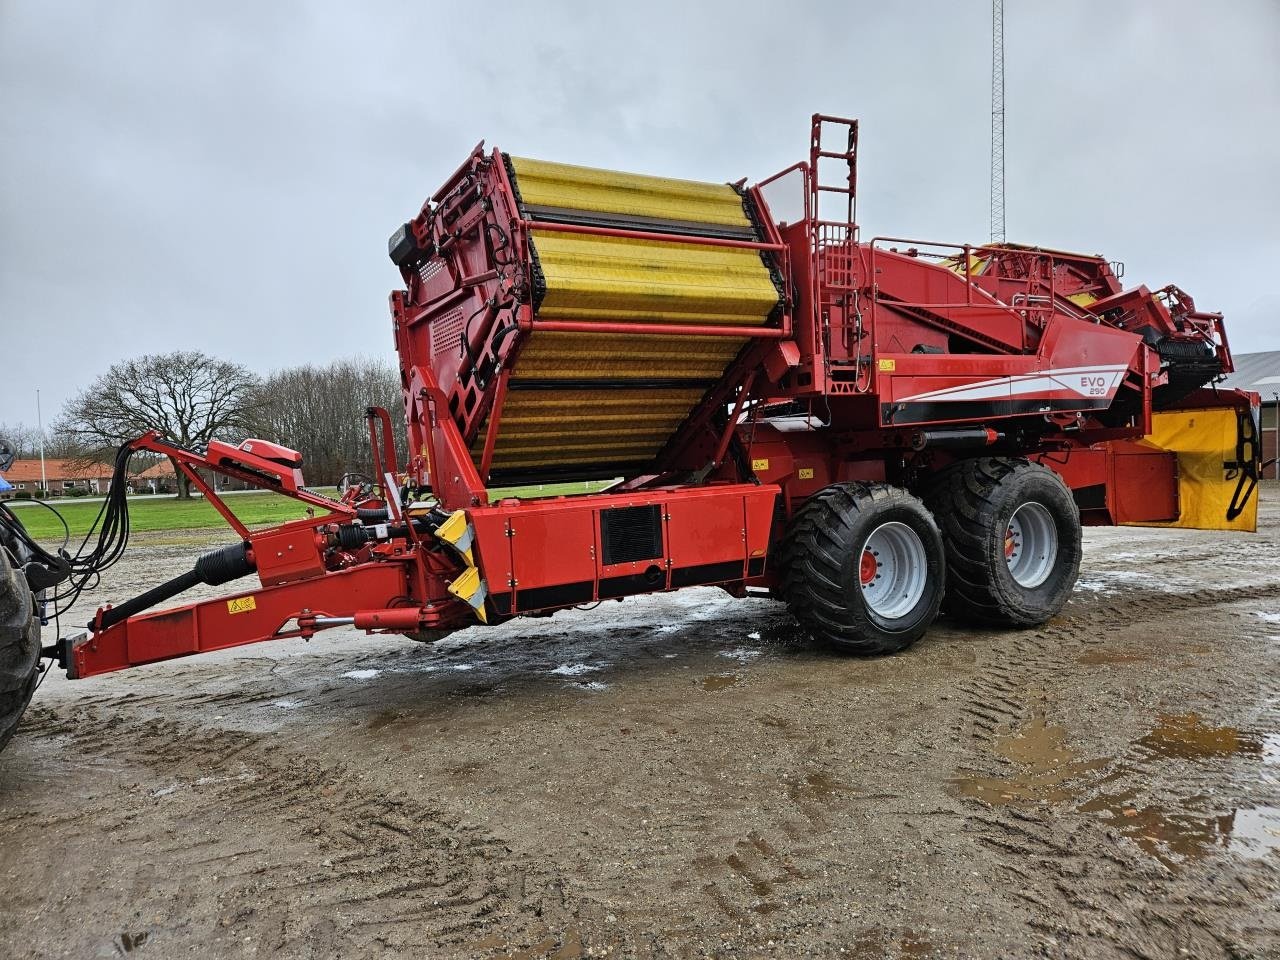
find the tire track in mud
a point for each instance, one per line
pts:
(751, 880)
(1087, 893)
(295, 853)
(1013, 663)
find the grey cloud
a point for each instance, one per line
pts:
(224, 176)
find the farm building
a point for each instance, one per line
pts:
(64, 477)
(157, 478)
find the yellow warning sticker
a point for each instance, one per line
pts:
(761, 464)
(805, 473)
(888, 366)
(241, 605)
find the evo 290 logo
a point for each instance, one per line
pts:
(1095, 386)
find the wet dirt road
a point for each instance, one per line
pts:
(678, 776)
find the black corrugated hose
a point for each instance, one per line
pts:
(71, 573)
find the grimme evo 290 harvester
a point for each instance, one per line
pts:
(868, 429)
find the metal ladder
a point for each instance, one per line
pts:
(833, 250)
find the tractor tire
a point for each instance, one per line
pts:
(863, 568)
(19, 646)
(1013, 541)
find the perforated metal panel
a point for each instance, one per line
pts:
(446, 334)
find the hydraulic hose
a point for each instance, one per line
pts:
(213, 568)
(144, 601)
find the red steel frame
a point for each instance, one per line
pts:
(863, 341)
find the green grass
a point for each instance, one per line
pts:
(253, 509)
(549, 489)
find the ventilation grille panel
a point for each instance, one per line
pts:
(628, 534)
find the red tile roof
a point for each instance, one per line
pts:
(157, 471)
(28, 471)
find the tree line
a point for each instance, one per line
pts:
(191, 398)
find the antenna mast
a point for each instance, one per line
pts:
(997, 121)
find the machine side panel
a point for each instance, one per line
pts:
(553, 557)
(707, 541)
(567, 551)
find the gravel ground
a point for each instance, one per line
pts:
(677, 776)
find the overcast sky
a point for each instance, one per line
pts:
(224, 176)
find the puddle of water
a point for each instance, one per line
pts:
(1183, 736)
(742, 656)
(1267, 617)
(1271, 748)
(1048, 767)
(1049, 772)
(1257, 832)
(719, 681)
(1159, 833)
(1173, 836)
(361, 674)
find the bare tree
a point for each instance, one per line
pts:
(319, 411)
(187, 396)
(24, 440)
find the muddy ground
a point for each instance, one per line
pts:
(678, 776)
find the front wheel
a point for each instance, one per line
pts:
(1013, 539)
(19, 646)
(862, 567)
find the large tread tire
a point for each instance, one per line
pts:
(819, 567)
(973, 502)
(19, 646)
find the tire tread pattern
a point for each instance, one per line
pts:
(19, 647)
(812, 552)
(965, 501)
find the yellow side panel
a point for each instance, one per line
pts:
(569, 187)
(1203, 440)
(612, 278)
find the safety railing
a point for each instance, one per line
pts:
(1035, 303)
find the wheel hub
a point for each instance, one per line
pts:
(1031, 544)
(893, 570)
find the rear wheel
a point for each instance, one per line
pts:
(19, 645)
(1013, 540)
(862, 567)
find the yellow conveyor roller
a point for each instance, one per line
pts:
(592, 399)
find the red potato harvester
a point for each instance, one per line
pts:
(870, 430)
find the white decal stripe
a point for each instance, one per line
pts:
(1042, 380)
